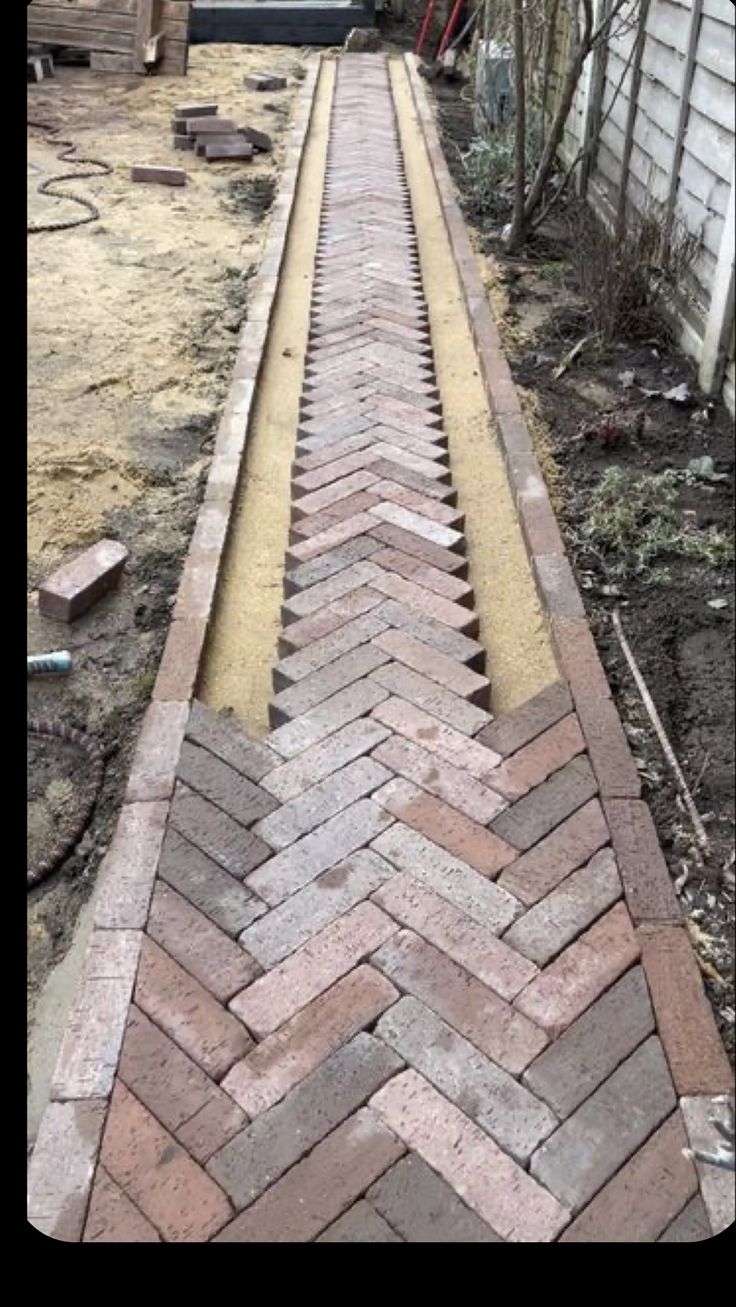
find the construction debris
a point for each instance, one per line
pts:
(39, 67)
(200, 128)
(73, 588)
(150, 172)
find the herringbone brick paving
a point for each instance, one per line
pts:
(390, 990)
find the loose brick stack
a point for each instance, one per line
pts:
(391, 984)
(201, 129)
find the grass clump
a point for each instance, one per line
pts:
(634, 524)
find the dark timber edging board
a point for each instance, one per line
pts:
(683, 1013)
(69, 1135)
(279, 22)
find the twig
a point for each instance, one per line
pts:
(694, 815)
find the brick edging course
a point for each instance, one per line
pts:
(687, 1027)
(74, 1119)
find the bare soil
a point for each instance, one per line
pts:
(132, 329)
(683, 645)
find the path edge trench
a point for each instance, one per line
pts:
(64, 1158)
(677, 991)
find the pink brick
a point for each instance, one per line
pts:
(297, 635)
(342, 584)
(469, 944)
(198, 945)
(534, 763)
(325, 718)
(440, 778)
(418, 968)
(129, 869)
(326, 650)
(423, 574)
(320, 802)
(334, 535)
(464, 838)
(326, 471)
(298, 774)
(504, 1195)
(316, 523)
(443, 560)
(579, 975)
(62, 1167)
(425, 602)
(430, 508)
(156, 752)
(284, 1059)
(536, 873)
(113, 1218)
(73, 588)
(443, 536)
(333, 841)
(437, 738)
(90, 1046)
(312, 969)
(412, 462)
(437, 667)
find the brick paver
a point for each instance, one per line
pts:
(400, 972)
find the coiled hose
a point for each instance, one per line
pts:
(48, 187)
(40, 728)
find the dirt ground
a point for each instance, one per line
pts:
(132, 328)
(679, 618)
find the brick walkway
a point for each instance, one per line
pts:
(390, 989)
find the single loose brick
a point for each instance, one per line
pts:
(483, 1091)
(509, 733)
(215, 892)
(185, 1011)
(316, 1191)
(175, 1194)
(260, 140)
(543, 931)
(423, 1208)
(334, 841)
(460, 836)
(149, 172)
(264, 82)
(586, 1150)
(639, 1203)
(269, 1002)
(197, 945)
(277, 1139)
(452, 879)
(457, 788)
(537, 872)
(429, 697)
(694, 1049)
(62, 1166)
(112, 1217)
(496, 1029)
(435, 666)
(650, 894)
(233, 148)
(205, 110)
(210, 125)
(456, 934)
(222, 785)
(593, 1046)
(575, 979)
(361, 1224)
(229, 844)
(286, 1057)
(534, 816)
(494, 1186)
(175, 1090)
(222, 736)
(275, 936)
(75, 586)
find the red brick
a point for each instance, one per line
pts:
(435, 666)
(455, 787)
(91, 1042)
(113, 1218)
(436, 556)
(229, 844)
(312, 969)
(75, 586)
(639, 1203)
(587, 1149)
(127, 874)
(593, 1046)
(504, 1035)
(305, 631)
(466, 839)
(187, 1013)
(578, 659)
(608, 749)
(177, 1196)
(534, 816)
(62, 1166)
(494, 1186)
(314, 1193)
(175, 1090)
(537, 872)
(649, 892)
(509, 733)
(284, 1058)
(579, 975)
(197, 945)
(196, 593)
(694, 1051)
(143, 172)
(179, 666)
